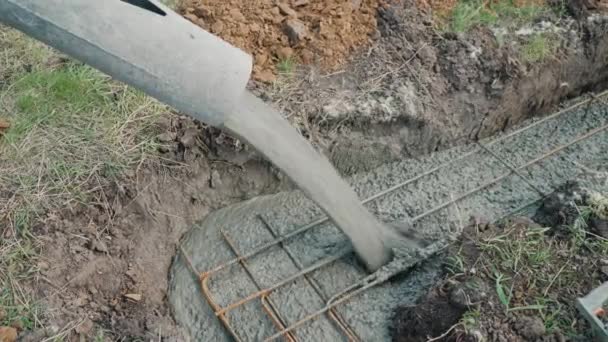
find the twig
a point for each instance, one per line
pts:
(596, 236)
(444, 334)
(66, 330)
(555, 278)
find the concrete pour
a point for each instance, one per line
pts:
(369, 313)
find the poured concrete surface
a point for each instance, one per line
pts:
(369, 313)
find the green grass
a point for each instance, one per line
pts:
(531, 271)
(467, 14)
(538, 48)
(470, 320)
(73, 132)
(286, 66)
(470, 13)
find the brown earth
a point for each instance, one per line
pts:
(411, 90)
(301, 31)
(416, 89)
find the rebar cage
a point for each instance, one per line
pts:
(287, 329)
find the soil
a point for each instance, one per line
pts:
(417, 89)
(298, 31)
(108, 263)
(441, 313)
(383, 83)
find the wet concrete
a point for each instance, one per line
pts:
(423, 203)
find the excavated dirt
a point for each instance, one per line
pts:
(292, 31)
(417, 89)
(414, 87)
(399, 87)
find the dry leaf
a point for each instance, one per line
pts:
(133, 296)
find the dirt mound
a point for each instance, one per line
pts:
(289, 31)
(516, 281)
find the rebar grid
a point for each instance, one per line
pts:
(288, 331)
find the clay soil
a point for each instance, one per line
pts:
(372, 83)
(296, 31)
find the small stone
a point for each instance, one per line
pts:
(52, 330)
(530, 328)
(254, 27)
(300, 3)
(189, 138)
(355, 4)
(93, 290)
(243, 30)
(285, 53)
(98, 246)
(216, 180)
(166, 137)
(217, 27)
(427, 55)
(599, 226)
(307, 56)
(236, 15)
(43, 265)
(469, 293)
(193, 18)
(85, 328)
(286, 10)
(8, 334)
(295, 30)
(265, 76)
(201, 12)
(261, 59)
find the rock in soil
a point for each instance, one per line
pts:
(530, 328)
(85, 327)
(295, 30)
(431, 317)
(560, 209)
(599, 226)
(333, 29)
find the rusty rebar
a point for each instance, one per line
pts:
(371, 281)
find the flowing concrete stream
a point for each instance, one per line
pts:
(436, 194)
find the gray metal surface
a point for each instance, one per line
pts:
(154, 49)
(437, 194)
(589, 306)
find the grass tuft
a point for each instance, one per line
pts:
(539, 273)
(538, 48)
(286, 66)
(470, 13)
